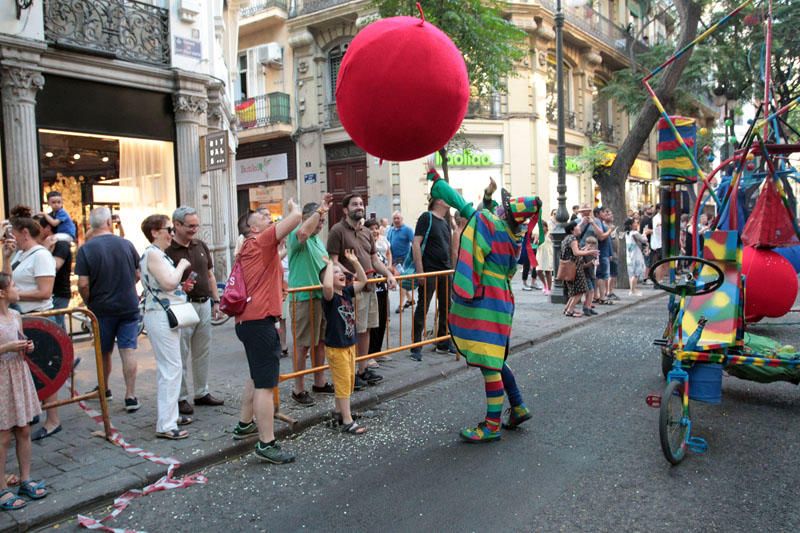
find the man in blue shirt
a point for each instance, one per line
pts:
(400, 237)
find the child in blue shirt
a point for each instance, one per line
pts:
(58, 217)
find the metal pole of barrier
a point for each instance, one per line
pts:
(98, 356)
(388, 309)
(413, 301)
(436, 310)
(425, 303)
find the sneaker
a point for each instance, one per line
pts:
(588, 311)
(527, 288)
(272, 453)
(243, 431)
(479, 434)
(359, 384)
(132, 404)
(516, 416)
(325, 389)
(448, 348)
(371, 377)
(109, 396)
(304, 398)
(415, 354)
(612, 296)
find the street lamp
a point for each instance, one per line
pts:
(562, 216)
(725, 97)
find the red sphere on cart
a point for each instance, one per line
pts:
(770, 284)
(402, 89)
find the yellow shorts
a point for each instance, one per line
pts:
(343, 368)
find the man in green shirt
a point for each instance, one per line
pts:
(306, 252)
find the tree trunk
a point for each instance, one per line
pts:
(689, 12)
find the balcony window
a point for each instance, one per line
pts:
(263, 110)
(241, 80)
(552, 92)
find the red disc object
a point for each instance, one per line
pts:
(402, 89)
(770, 284)
(52, 357)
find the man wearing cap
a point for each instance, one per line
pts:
(483, 305)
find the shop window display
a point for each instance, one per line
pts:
(132, 177)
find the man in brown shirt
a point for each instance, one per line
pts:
(195, 340)
(350, 234)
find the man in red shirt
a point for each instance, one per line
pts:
(255, 327)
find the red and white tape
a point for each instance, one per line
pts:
(167, 482)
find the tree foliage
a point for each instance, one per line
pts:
(491, 44)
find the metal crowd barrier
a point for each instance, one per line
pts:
(98, 355)
(425, 339)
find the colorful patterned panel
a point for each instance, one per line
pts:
(674, 165)
(723, 307)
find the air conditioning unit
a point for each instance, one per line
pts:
(270, 55)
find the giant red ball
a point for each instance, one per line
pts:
(402, 89)
(770, 284)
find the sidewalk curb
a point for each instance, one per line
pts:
(242, 447)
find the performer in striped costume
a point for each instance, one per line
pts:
(483, 304)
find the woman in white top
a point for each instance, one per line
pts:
(162, 279)
(633, 252)
(31, 265)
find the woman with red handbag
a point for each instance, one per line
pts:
(570, 252)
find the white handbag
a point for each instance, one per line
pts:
(182, 315)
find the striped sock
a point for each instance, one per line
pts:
(510, 384)
(494, 398)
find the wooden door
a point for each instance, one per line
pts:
(345, 177)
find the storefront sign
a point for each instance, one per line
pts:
(261, 169)
(215, 150)
(188, 47)
(472, 158)
(310, 178)
(573, 165)
(641, 169)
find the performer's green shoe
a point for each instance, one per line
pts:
(516, 416)
(479, 434)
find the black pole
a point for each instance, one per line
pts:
(558, 295)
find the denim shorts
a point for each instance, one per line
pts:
(122, 329)
(589, 282)
(604, 268)
(614, 268)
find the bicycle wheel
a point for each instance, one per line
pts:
(671, 429)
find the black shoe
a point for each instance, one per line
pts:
(359, 384)
(325, 389)
(185, 408)
(371, 377)
(109, 396)
(304, 399)
(416, 354)
(132, 404)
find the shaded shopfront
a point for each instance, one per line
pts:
(265, 174)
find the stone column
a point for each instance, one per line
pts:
(20, 85)
(190, 113)
(221, 218)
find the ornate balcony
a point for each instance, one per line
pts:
(332, 116)
(256, 8)
(601, 131)
(486, 107)
(304, 7)
(263, 110)
(120, 29)
(570, 117)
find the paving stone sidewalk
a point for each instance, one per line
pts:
(82, 469)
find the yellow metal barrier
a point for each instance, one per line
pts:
(98, 356)
(389, 350)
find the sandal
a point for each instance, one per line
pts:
(173, 434)
(12, 503)
(603, 301)
(185, 420)
(574, 314)
(353, 428)
(12, 480)
(31, 489)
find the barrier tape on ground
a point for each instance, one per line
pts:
(167, 482)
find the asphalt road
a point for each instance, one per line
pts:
(588, 461)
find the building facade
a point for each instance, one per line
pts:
(121, 103)
(509, 136)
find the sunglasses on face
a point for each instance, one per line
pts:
(169, 230)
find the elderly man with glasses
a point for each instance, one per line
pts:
(196, 340)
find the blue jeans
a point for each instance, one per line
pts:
(60, 302)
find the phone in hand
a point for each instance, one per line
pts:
(192, 276)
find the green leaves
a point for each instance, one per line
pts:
(491, 44)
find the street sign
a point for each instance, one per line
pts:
(215, 151)
(310, 178)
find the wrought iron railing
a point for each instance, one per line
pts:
(332, 116)
(596, 24)
(263, 110)
(257, 7)
(304, 7)
(570, 117)
(122, 29)
(485, 107)
(598, 129)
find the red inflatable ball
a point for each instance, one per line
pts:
(402, 89)
(770, 284)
